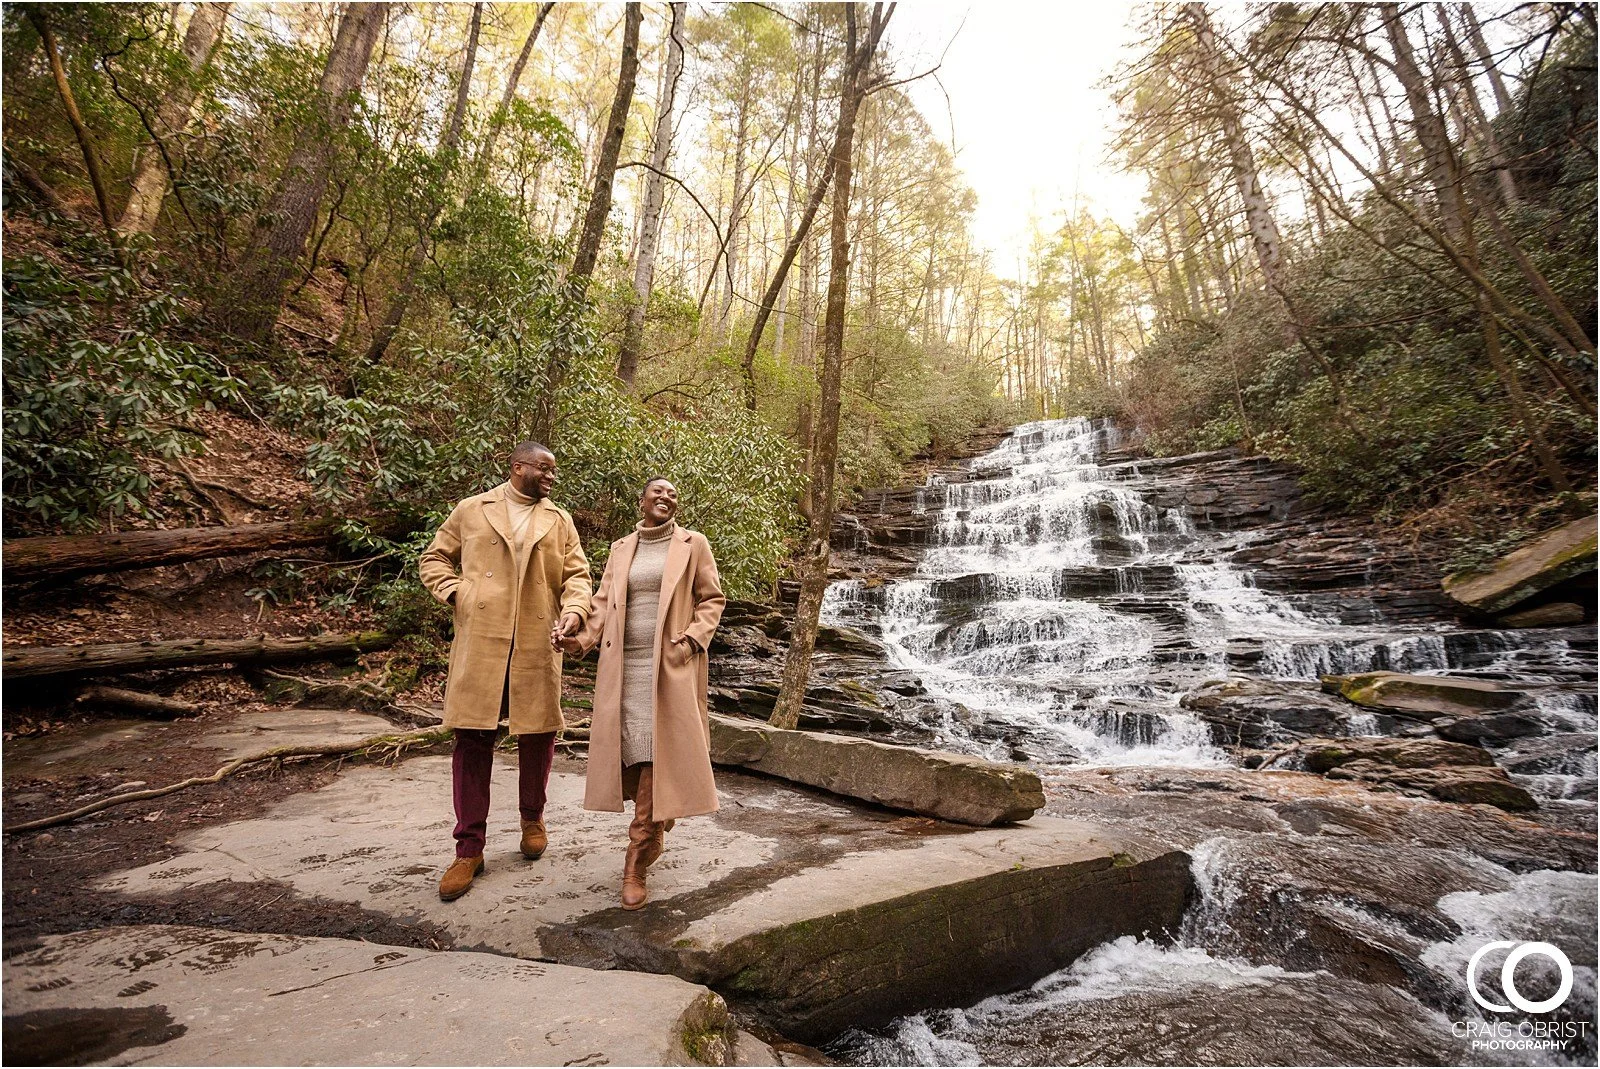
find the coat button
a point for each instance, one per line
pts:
(488, 575)
(480, 605)
(608, 643)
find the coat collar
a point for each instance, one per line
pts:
(497, 511)
(499, 517)
(676, 564)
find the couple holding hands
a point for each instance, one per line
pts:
(511, 565)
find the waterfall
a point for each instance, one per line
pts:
(1068, 614)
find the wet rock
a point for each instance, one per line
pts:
(1560, 555)
(1468, 786)
(1555, 614)
(1260, 712)
(847, 640)
(1491, 728)
(1565, 754)
(1323, 755)
(967, 790)
(1448, 771)
(1422, 697)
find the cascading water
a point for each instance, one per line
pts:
(1068, 615)
(1060, 616)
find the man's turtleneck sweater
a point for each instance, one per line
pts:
(521, 508)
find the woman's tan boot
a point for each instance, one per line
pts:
(644, 842)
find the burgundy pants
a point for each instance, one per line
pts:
(471, 766)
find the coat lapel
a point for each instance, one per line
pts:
(544, 518)
(494, 510)
(621, 560)
(676, 564)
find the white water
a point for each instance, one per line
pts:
(1069, 615)
(1140, 1001)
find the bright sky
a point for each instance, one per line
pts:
(1018, 90)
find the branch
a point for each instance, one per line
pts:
(395, 743)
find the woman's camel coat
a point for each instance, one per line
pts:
(505, 605)
(691, 602)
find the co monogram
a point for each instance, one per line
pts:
(1508, 979)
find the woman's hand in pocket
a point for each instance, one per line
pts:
(681, 650)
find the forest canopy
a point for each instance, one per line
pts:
(410, 235)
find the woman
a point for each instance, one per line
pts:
(650, 736)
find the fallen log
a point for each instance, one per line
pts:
(30, 560)
(137, 701)
(31, 662)
(384, 745)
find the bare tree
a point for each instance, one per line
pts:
(856, 82)
(448, 146)
(498, 120)
(654, 196)
(594, 221)
(259, 282)
(150, 177)
(80, 130)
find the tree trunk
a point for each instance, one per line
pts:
(268, 262)
(446, 156)
(52, 557)
(137, 701)
(1469, 22)
(151, 176)
(1444, 173)
(735, 210)
(594, 222)
(69, 104)
(33, 662)
(486, 151)
(814, 575)
(1264, 235)
(770, 298)
(655, 189)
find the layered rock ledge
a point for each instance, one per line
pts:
(812, 912)
(198, 996)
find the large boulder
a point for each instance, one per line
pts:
(1423, 697)
(1448, 771)
(1554, 558)
(967, 790)
(1259, 712)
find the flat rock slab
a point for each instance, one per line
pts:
(136, 746)
(199, 996)
(821, 914)
(1423, 697)
(956, 787)
(1549, 559)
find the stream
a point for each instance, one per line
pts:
(1057, 616)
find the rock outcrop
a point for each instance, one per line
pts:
(967, 790)
(1423, 697)
(1448, 771)
(1251, 712)
(1543, 564)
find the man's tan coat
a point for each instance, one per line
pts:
(691, 602)
(505, 605)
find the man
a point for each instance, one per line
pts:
(510, 563)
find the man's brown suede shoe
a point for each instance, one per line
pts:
(459, 876)
(534, 839)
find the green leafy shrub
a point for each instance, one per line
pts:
(86, 401)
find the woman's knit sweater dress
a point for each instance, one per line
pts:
(639, 642)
